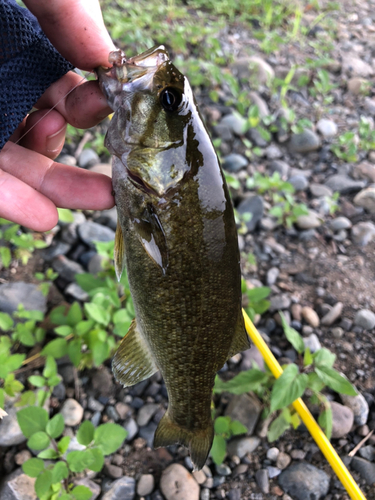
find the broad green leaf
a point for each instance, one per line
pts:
(38, 441)
(74, 315)
(121, 316)
(246, 381)
(65, 215)
(295, 420)
(74, 352)
(2, 398)
(88, 282)
(54, 380)
(288, 387)
(292, 335)
(97, 313)
(84, 326)
(307, 358)
(57, 316)
(50, 368)
(218, 450)
(97, 457)
(85, 433)
(314, 383)
(324, 357)
(277, 428)
(109, 437)
(78, 461)
(6, 322)
(41, 397)
(335, 380)
(63, 330)
(258, 293)
(56, 426)
(66, 496)
(28, 398)
(56, 348)
(59, 472)
(48, 454)
(237, 428)
(32, 419)
(33, 467)
(37, 380)
(222, 425)
(5, 256)
(81, 493)
(63, 444)
(43, 483)
(100, 351)
(325, 421)
(11, 364)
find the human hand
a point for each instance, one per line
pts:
(32, 185)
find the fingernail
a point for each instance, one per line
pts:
(55, 141)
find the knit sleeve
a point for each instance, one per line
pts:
(29, 64)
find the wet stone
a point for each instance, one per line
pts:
(304, 481)
(123, 488)
(13, 294)
(304, 142)
(234, 162)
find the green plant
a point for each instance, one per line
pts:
(256, 298)
(322, 86)
(309, 377)
(350, 143)
(55, 480)
(225, 428)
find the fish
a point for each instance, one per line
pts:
(176, 236)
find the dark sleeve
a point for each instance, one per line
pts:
(29, 64)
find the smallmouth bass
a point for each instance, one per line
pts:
(177, 237)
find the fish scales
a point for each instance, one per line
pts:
(177, 238)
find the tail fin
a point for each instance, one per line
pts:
(198, 442)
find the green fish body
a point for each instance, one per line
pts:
(177, 238)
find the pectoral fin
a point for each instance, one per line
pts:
(241, 340)
(119, 252)
(133, 361)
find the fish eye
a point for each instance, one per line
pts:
(170, 99)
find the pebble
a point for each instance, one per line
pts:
(235, 122)
(359, 406)
(272, 275)
(273, 152)
(18, 486)
(366, 199)
(362, 233)
(57, 248)
(353, 65)
(27, 294)
(364, 468)
(176, 483)
(66, 268)
(310, 316)
(260, 103)
(108, 218)
(369, 104)
(342, 420)
(246, 408)
(10, 431)
(95, 264)
(304, 142)
(132, 428)
(241, 446)
(123, 488)
(261, 478)
(112, 413)
(87, 158)
(200, 476)
(123, 410)
(112, 471)
(205, 494)
(281, 167)
(75, 291)
(299, 182)
(283, 460)
(279, 302)
(22, 456)
(272, 454)
(90, 232)
(344, 184)
(102, 382)
(273, 471)
(365, 319)
(94, 405)
(298, 454)
(333, 315)
(251, 355)
(304, 481)
(309, 221)
(148, 433)
(364, 170)
(312, 342)
(93, 487)
(340, 223)
(146, 413)
(327, 128)
(368, 452)
(72, 412)
(234, 162)
(223, 470)
(253, 205)
(357, 85)
(337, 332)
(319, 190)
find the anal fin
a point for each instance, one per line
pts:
(241, 341)
(133, 361)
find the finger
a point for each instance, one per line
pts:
(44, 133)
(65, 186)
(83, 107)
(76, 29)
(20, 203)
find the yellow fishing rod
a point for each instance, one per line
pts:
(320, 438)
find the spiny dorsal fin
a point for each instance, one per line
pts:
(133, 361)
(119, 252)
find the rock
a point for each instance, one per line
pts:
(354, 66)
(369, 104)
(366, 199)
(365, 171)
(112, 471)
(13, 294)
(205, 494)
(241, 446)
(359, 406)
(90, 232)
(199, 476)
(256, 138)
(123, 488)
(66, 268)
(303, 481)
(272, 454)
(108, 218)
(304, 142)
(344, 184)
(333, 315)
(281, 167)
(145, 485)
(364, 468)
(298, 454)
(93, 487)
(272, 275)
(234, 162)
(87, 158)
(148, 433)
(327, 128)
(367, 452)
(72, 412)
(245, 408)
(67, 160)
(176, 483)
(362, 233)
(342, 420)
(95, 264)
(365, 319)
(261, 478)
(22, 456)
(252, 205)
(132, 428)
(357, 85)
(102, 382)
(252, 354)
(253, 68)
(260, 103)
(283, 460)
(57, 248)
(309, 221)
(319, 190)
(337, 333)
(273, 152)
(146, 413)
(310, 316)
(102, 168)
(223, 470)
(279, 302)
(235, 122)
(223, 131)
(10, 431)
(18, 486)
(299, 182)
(312, 342)
(340, 223)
